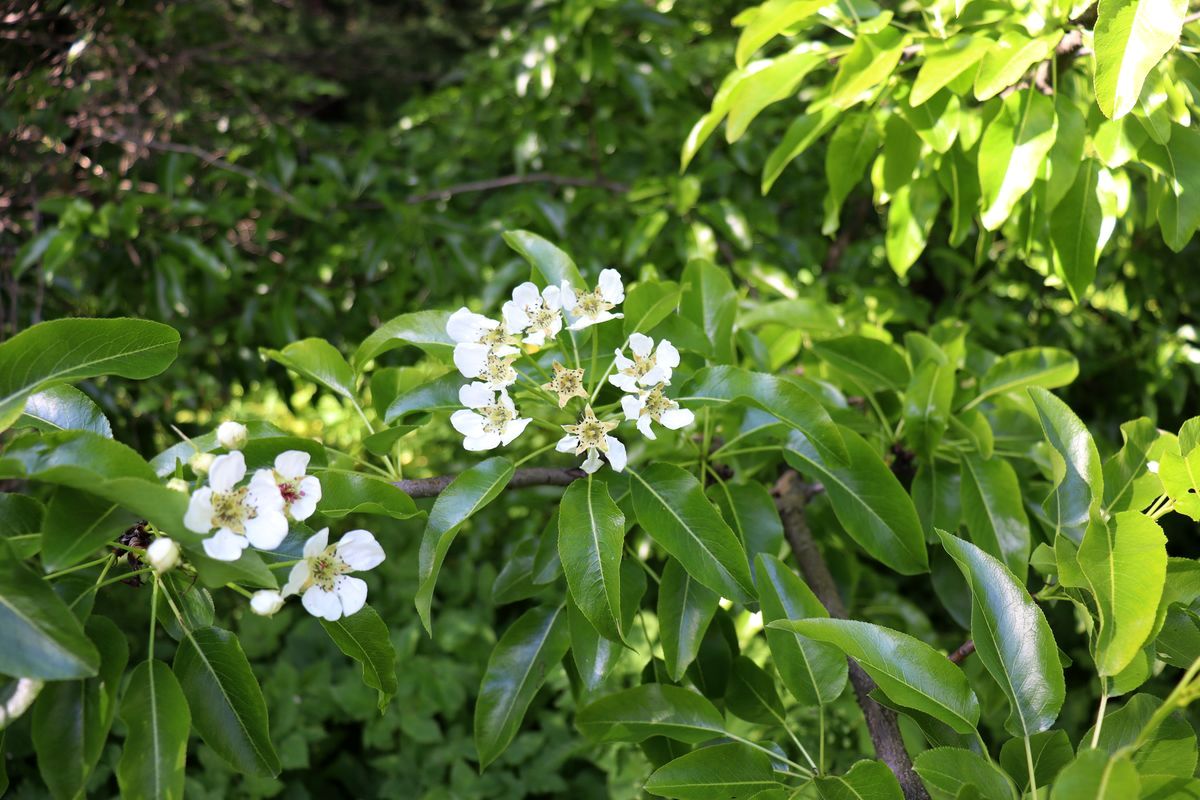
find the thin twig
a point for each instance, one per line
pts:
(446, 192)
(522, 478)
(965, 649)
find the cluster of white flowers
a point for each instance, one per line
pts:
(486, 349)
(322, 576)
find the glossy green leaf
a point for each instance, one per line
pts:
(1181, 481)
(1078, 475)
(364, 637)
(672, 508)
(1179, 162)
(944, 62)
(249, 571)
(43, 639)
(1007, 60)
(1131, 37)
(423, 329)
(866, 780)
(851, 148)
(937, 496)
(910, 672)
(927, 404)
(1011, 151)
(936, 121)
(750, 511)
(685, 609)
(76, 525)
(157, 721)
(870, 363)
(344, 492)
(946, 770)
(800, 135)
(226, 702)
(911, 215)
(516, 669)
(771, 19)
(768, 82)
(381, 443)
(1077, 231)
(1047, 367)
(1094, 775)
(1128, 482)
(652, 709)
(710, 301)
(814, 672)
(1067, 154)
(594, 655)
(1012, 639)
(729, 771)
(751, 694)
(591, 536)
(868, 63)
(868, 500)
(1050, 752)
(71, 719)
(1169, 749)
(466, 494)
(70, 350)
(318, 361)
(64, 408)
(549, 263)
(994, 513)
(440, 394)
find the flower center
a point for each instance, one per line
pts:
(641, 365)
(498, 370)
(656, 404)
(541, 318)
(496, 417)
(494, 337)
(593, 304)
(230, 510)
(325, 568)
(291, 491)
(568, 382)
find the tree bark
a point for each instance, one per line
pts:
(522, 478)
(792, 494)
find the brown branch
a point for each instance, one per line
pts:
(792, 494)
(447, 192)
(965, 649)
(522, 478)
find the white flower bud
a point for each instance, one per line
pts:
(177, 485)
(231, 435)
(163, 554)
(202, 463)
(266, 602)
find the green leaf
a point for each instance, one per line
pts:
(318, 361)
(364, 637)
(344, 493)
(249, 570)
(937, 495)
(1047, 367)
(1078, 475)
(1067, 154)
(1131, 37)
(227, 704)
(652, 709)
(71, 719)
(1077, 231)
(866, 780)
(927, 406)
(771, 19)
(43, 639)
(1094, 775)
(549, 263)
(936, 122)
(786, 401)
(911, 673)
(944, 62)
(157, 722)
(516, 669)
(1170, 749)
(381, 443)
(721, 772)
(440, 394)
(1051, 751)
(1011, 152)
(800, 135)
(751, 695)
(685, 609)
(873, 365)
(868, 63)
(1128, 482)
(1125, 565)
(591, 535)
(671, 508)
(851, 148)
(814, 672)
(770, 81)
(710, 301)
(946, 770)
(868, 500)
(77, 524)
(648, 304)
(423, 329)
(594, 655)
(1009, 57)
(1179, 162)
(1012, 639)
(1180, 477)
(911, 216)
(62, 408)
(466, 494)
(70, 350)
(994, 513)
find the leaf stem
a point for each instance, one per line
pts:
(653, 575)
(153, 619)
(1033, 787)
(805, 771)
(1100, 713)
(51, 576)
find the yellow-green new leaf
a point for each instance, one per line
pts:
(770, 19)
(1131, 37)
(1011, 152)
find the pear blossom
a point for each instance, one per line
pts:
(249, 515)
(201, 463)
(537, 315)
(591, 435)
(566, 383)
(300, 492)
(489, 419)
(177, 485)
(266, 602)
(232, 435)
(482, 347)
(654, 406)
(322, 577)
(648, 367)
(590, 308)
(163, 554)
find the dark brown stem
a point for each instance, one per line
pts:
(965, 649)
(792, 494)
(522, 478)
(447, 192)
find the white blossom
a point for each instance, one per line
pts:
(300, 492)
(232, 435)
(243, 516)
(201, 463)
(484, 348)
(177, 485)
(566, 383)
(590, 308)
(648, 367)
(539, 316)
(163, 554)
(489, 419)
(653, 406)
(322, 577)
(591, 435)
(266, 602)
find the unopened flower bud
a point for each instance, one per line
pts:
(177, 485)
(163, 554)
(266, 602)
(231, 435)
(202, 462)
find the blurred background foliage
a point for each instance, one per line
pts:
(254, 172)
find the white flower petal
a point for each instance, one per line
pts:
(643, 425)
(352, 592)
(626, 383)
(264, 494)
(537, 338)
(616, 453)
(296, 578)
(310, 494)
(232, 435)
(552, 297)
(514, 429)
(666, 355)
(470, 359)
(163, 554)
(267, 530)
(581, 323)
(567, 444)
(641, 344)
(515, 318)
(620, 361)
(225, 545)
(321, 603)
(482, 442)
(199, 516)
(316, 543)
(468, 423)
(566, 294)
(592, 462)
(611, 287)
(226, 471)
(677, 418)
(360, 550)
(654, 376)
(292, 464)
(632, 405)
(526, 295)
(475, 395)
(266, 602)
(466, 326)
